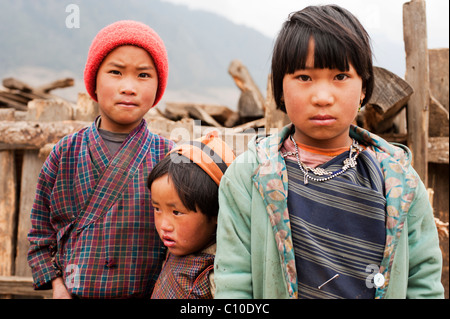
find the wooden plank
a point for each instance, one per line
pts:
(390, 92)
(438, 150)
(14, 84)
(58, 84)
(34, 135)
(198, 113)
(15, 97)
(31, 166)
(22, 286)
(49, 110)
(438, 181)
(390, 95)
(220, 113)
(8, 187)
(12, 103)
(439, 119)
(7, 115)
(417, 75)
(439, 75)
(86, 108)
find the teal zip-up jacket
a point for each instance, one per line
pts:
(255, 257)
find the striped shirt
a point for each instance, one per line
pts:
(338, 229)
(109, 248)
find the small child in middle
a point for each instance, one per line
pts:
(184, 188)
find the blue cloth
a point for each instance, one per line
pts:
(338, 227)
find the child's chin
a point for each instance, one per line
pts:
(177, 252)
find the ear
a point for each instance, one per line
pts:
(363, 95)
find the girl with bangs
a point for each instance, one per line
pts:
(325, 209)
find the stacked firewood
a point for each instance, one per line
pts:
(250, 107)
(18, 94)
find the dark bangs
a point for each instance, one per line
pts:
(328, 53)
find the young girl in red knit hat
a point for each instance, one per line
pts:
(93, 233)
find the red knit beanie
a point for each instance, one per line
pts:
(126, 32)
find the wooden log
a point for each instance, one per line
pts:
(175, 111)
(45, 151)
(27, 91)
(251, 104)
(21, 286)
(439, 119)
(417, 75)
(14, 84)
(32, 95)
(58, 84)
(182, 130)
(222, 114)
(438, 180)
(49, 110)
(200, 114)
(86, 108)
(7, 115)
(390, 94)
(439, 75)
(8, 187)
(31, 166)
(33, 135)
(5, 100)
(438, 150)
(14, 95)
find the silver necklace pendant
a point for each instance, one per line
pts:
(319, 171)
(349, 162)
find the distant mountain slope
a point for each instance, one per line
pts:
(200, 44)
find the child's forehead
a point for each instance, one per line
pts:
(128, 50)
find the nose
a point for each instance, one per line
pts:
(166, 224)
(127, 86)
(323, 96)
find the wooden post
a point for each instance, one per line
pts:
(251, 103)
(31, 167)
(417, 75)
(39, 111)
(8, 187)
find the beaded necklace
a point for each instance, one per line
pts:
(349, 162)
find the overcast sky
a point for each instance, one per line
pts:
(377, 16)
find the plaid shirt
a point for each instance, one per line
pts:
(185, 277)
(109, 248)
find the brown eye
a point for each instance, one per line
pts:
(304, 78)
(341, 77)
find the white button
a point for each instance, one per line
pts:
(378, 280)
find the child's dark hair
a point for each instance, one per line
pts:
(339, 39)
(194, 187)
